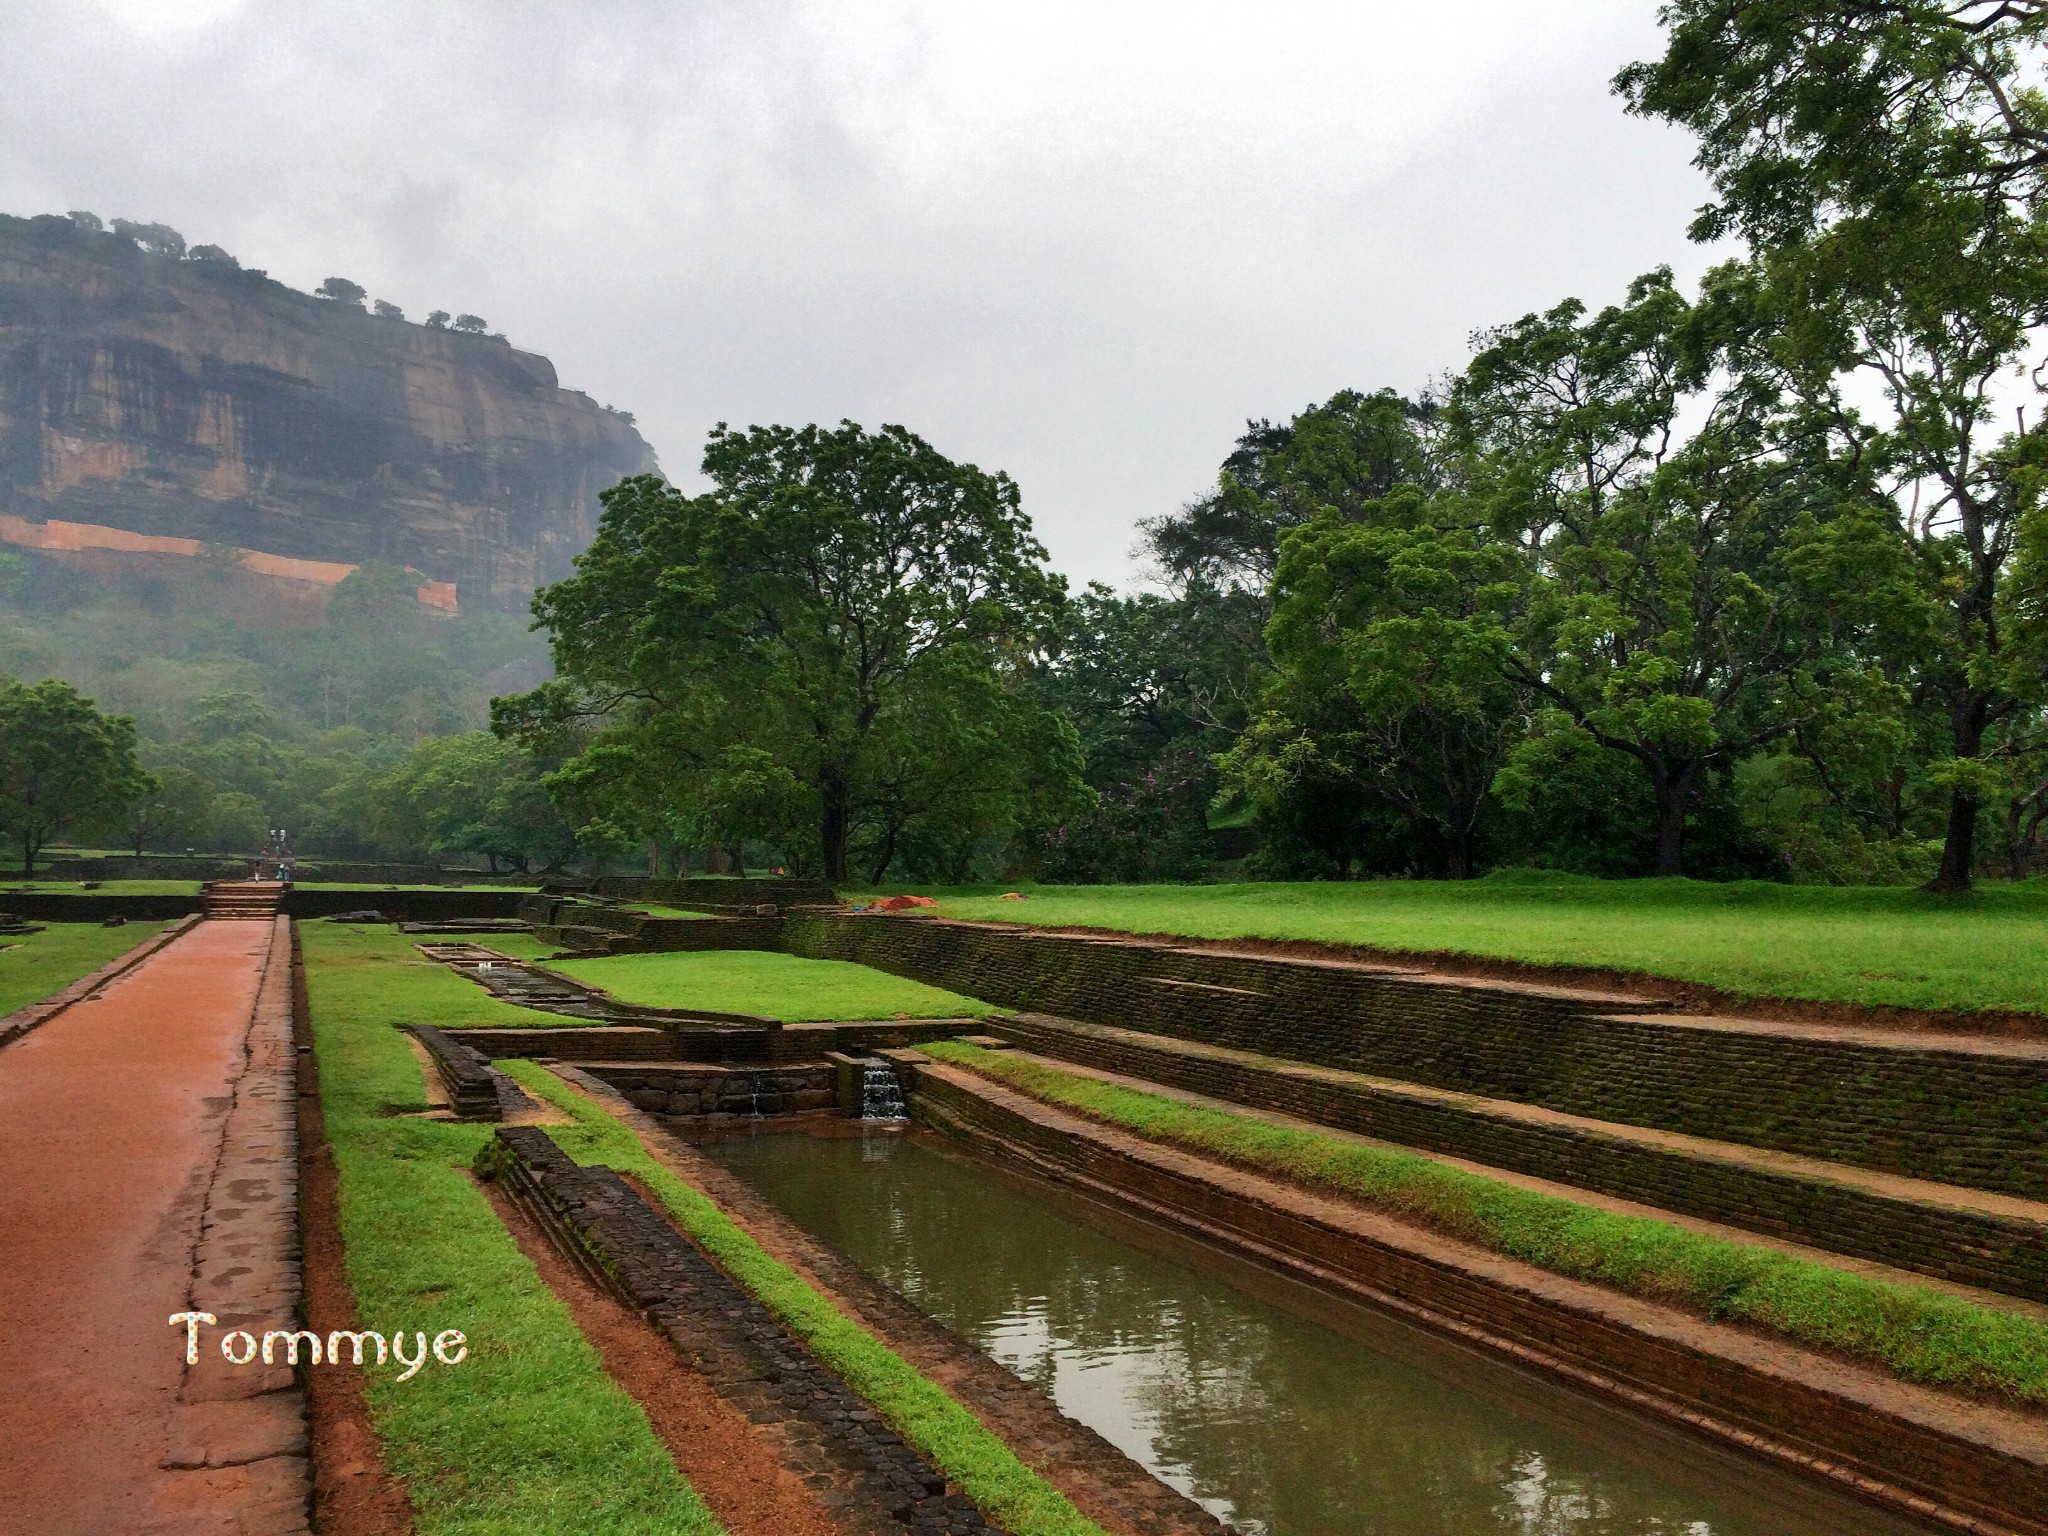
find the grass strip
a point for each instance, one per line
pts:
(1868, 945)
(528, 1436)
(767, 983)
(40, 965)
(1919, 1335)
(954, 1440)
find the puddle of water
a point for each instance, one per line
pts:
(1284, 1411)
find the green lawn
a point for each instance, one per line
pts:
(48, 962)
(773, 985)
(528, 1435)
(433, 993)
(1863, 945)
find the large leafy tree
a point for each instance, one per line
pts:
(1887, 160)
(1391, 638)
(851, 607)
(473, 793)
(64, 766)
(1677, 591)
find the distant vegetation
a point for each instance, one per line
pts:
(80, 227)
(362, 738)
(1747, 579)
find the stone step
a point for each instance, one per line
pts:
(1950, 1233)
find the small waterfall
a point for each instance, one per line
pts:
(881, 1093)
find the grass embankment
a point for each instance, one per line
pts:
(776, 986)
(39, 964)
(1919, 1335)
(528, 1435)
(16, 885)
(956, 1442)
(1866, 945)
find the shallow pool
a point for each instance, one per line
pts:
(1282, 1410)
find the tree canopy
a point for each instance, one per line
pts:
(826, 650)
(64, 766)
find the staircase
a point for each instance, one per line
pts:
(255, 900)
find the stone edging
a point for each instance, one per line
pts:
(613, 1234)
(22, 1020)
(247, 1272)
(1964, 1238)
(465, 1073)
(1984, 1473)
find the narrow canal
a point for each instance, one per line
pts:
(1284, 1411)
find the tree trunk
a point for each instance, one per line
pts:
(1959, 847)
(1458, 855)
(1959, 844)
(835, 800)
(1673, 789)
(28, 856)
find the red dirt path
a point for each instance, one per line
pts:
(110, 1119)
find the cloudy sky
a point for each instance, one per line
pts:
(1079, 242)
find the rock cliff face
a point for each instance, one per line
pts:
(199, 400)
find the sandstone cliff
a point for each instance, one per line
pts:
(189, 399)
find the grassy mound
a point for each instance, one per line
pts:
(776, 986)
(1871, 945)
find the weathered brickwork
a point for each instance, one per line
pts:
(1978, 1118)
(1819, 1415)
(824, 1432)
(691, 1089)
(1970, 1247)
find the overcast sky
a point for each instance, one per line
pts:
(1082, 243)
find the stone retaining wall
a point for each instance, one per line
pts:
(1904, 1445)
(692, 1089)
(1969, 1247)
(1954, 1115)
(826, 1434)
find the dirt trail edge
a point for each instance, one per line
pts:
(148, 1166)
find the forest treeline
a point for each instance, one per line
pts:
(1747, 577)
(1741, 579)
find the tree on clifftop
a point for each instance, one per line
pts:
(844, 615)
(64, 766)
(342, 291)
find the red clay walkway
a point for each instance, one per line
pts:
(116, 1119)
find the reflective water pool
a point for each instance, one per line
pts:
(1282, 1410)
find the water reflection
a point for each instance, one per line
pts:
(1283, 1411)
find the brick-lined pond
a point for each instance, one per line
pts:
(1282, 1410)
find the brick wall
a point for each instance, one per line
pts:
(1969, 1247)
(1950, 1115)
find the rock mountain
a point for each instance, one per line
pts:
(181, 397)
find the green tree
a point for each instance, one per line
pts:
(64, 766)
(174, 810)
(1391, 637)
(1887, 163)
(853, 605)
(475, 793)
(1670, 609)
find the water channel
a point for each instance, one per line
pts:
(1284, 1411)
